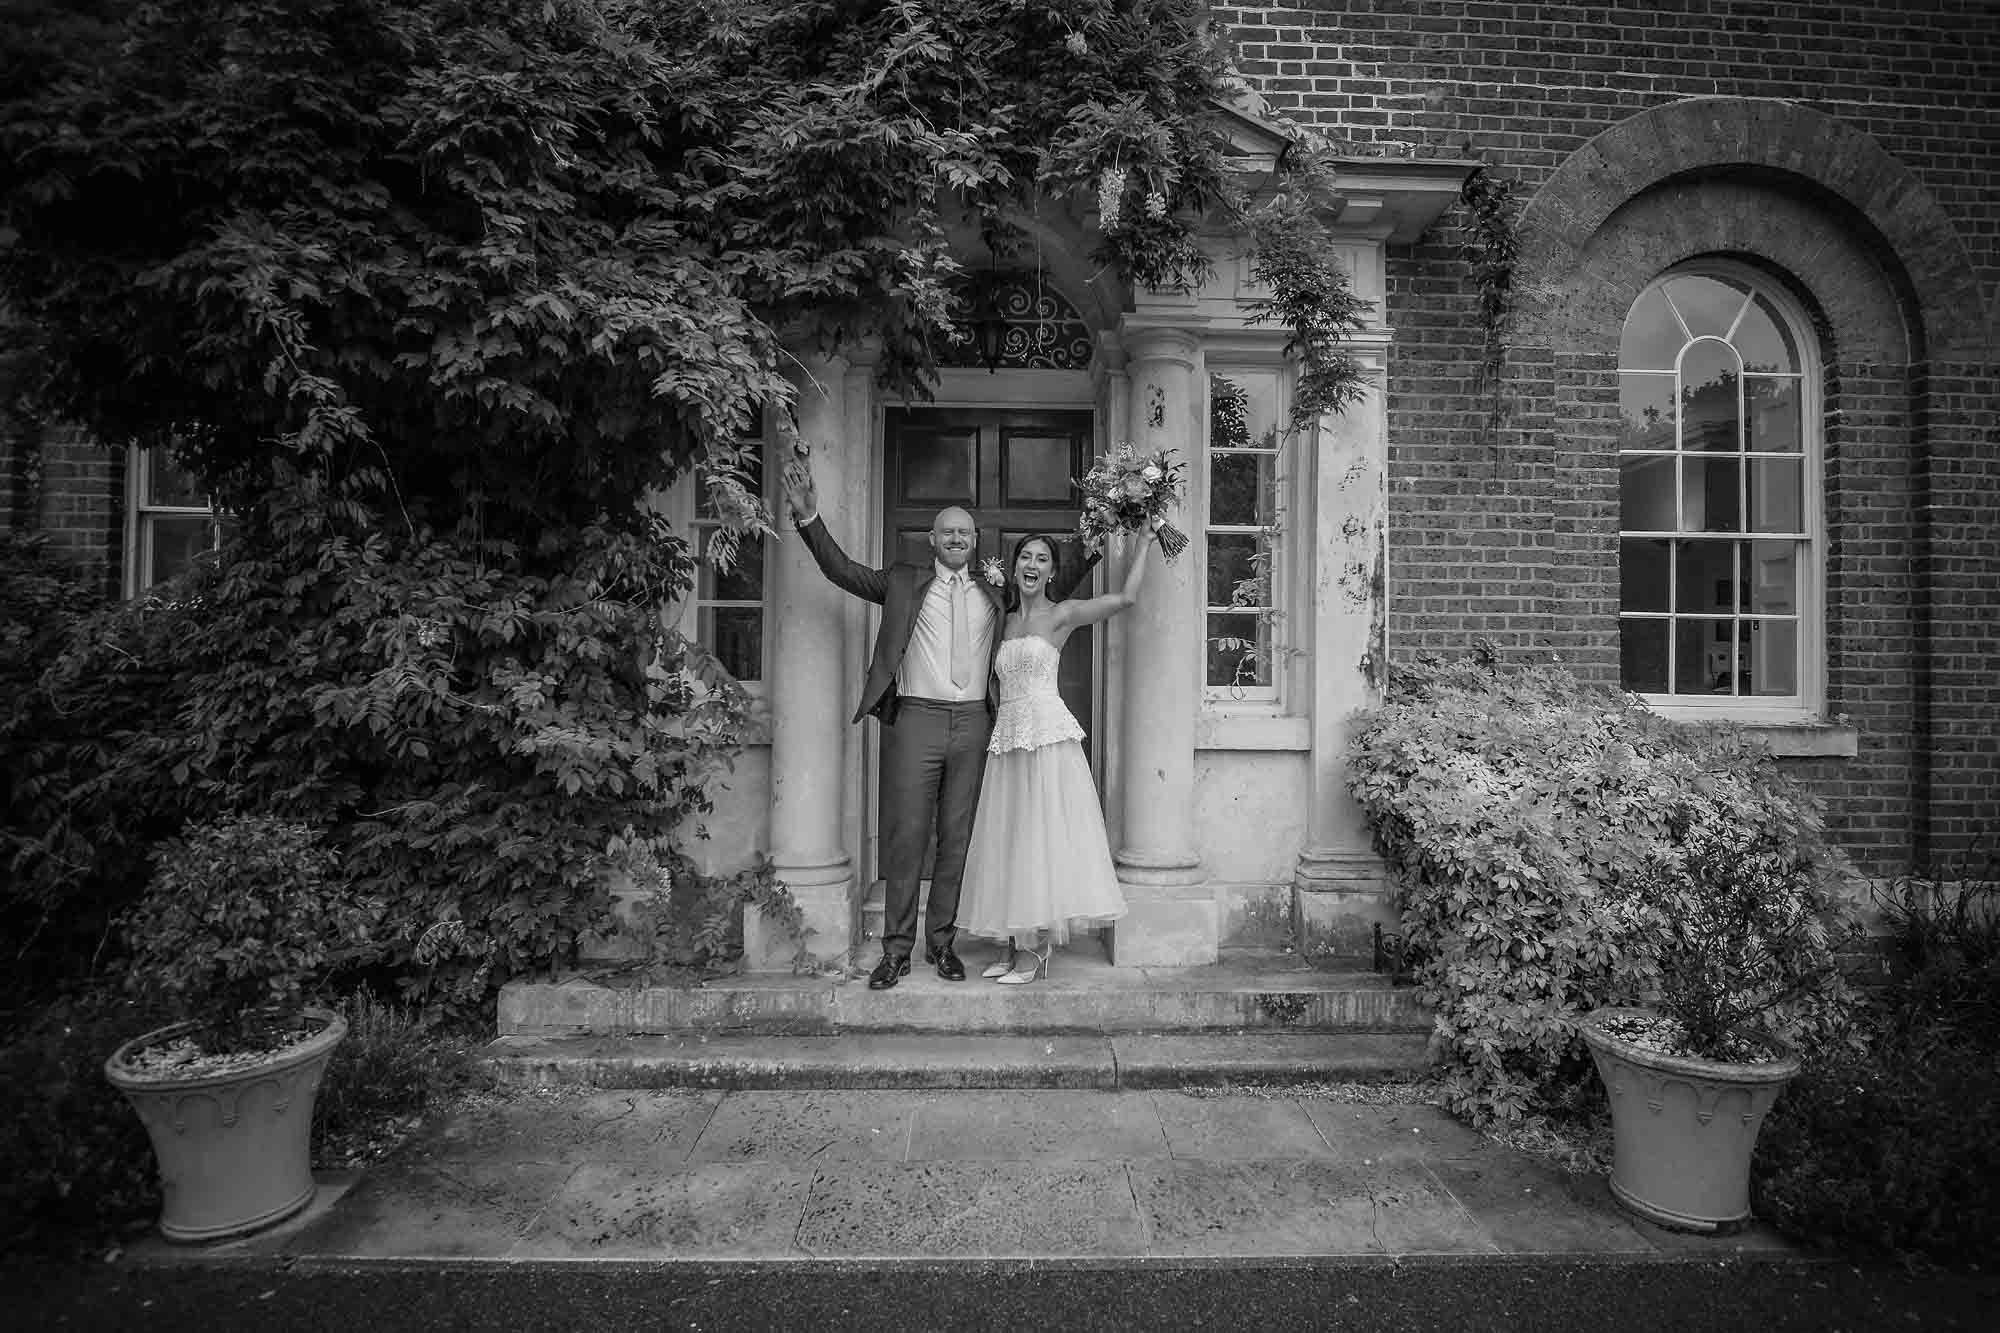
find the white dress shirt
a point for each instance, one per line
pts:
(926, 669)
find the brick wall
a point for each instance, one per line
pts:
(78, 500)
(1874, 139)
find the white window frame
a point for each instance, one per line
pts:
(1807, 704)
(141, 515)
(682, 510)
(1250, 701)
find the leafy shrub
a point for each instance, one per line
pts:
(1893, 1149)
(76, 1170)
(243, 913)
(1511, 806)
(1737, 924)
(481, 731)
(393, 1067)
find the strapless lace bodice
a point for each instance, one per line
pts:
(1032, 714)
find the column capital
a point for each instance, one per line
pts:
(1147, 339)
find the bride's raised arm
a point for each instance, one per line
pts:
(1090, 610)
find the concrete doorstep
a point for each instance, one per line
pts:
(932, 1060)
(897, 1176)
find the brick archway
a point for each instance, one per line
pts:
(1718, 138)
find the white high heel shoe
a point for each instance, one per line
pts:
(1020, 976)
(994, 971)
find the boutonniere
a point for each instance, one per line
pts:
(990, 570)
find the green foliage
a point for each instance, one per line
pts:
(76, 1170)
(1739, 921)
(1891, 1149)
(244, 912)
(392, 1068)
(1519, 811)
(1493, 250)
(481, 743)
(693, 919)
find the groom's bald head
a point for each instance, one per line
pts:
(953, 537)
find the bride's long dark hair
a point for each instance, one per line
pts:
(1014, 562)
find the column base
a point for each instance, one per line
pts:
(825, 895)
(1171, 919)
(1338, 898)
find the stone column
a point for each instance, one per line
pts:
(1340, 888)
(1172, 919)
(807, 691)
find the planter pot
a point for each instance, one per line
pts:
(1684, 1127)
(234, 1148)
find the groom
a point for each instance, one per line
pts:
(930, 684)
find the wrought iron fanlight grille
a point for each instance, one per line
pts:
(1018, 321)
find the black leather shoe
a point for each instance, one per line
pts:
(947, 962)
(888, 972)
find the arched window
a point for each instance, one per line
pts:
(1720, 542)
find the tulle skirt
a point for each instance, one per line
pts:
(1038, 859)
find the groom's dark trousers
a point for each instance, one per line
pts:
(933, 759)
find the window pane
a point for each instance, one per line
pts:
(745, 580)
(1708, 304)
(1239, 650)
(1646, 411)
(175, 542)
(1763, 339)
(1642, 574)
(1642, 655)
(1777, 494)
(1240, 489)
(1232, 558)
(1709, 387)
(1707, 576)
(167, 484)
(1228, 414)
(1771, 650)
(1710, 504)
(1771, 414)
(1646, 493)
(1652, 336)
(735, 634)
(1038, 469)
(1703, 652)
(1774, 578)
(939, 469)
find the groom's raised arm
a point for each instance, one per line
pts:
(844, 573)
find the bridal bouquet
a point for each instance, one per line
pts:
(1125, 489)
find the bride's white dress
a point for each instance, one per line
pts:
(1039, 859)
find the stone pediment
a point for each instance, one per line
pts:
(1394, 197)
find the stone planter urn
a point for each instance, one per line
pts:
(1684, 1128)
(233, 1146)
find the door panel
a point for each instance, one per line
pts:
(1012, 470)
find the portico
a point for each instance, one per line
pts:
(1228, 821)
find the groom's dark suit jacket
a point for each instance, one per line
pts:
(899, 590)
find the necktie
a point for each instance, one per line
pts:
(961, 634)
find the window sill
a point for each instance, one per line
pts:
(1786, 738)
(1251, 731)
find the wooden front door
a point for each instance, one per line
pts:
(1013, 471)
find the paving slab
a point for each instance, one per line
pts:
(1376, 1132)
(1037, 1127)
(444, 1210)
(1276, 1207)
(1250, 1128)
(1527, 1208)
(810, 1127)
(626, 1211)
(572, 1128)
(961, 1209)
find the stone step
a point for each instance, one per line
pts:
(936, 1061)
(1082, 993)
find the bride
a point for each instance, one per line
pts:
(1039, 861)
